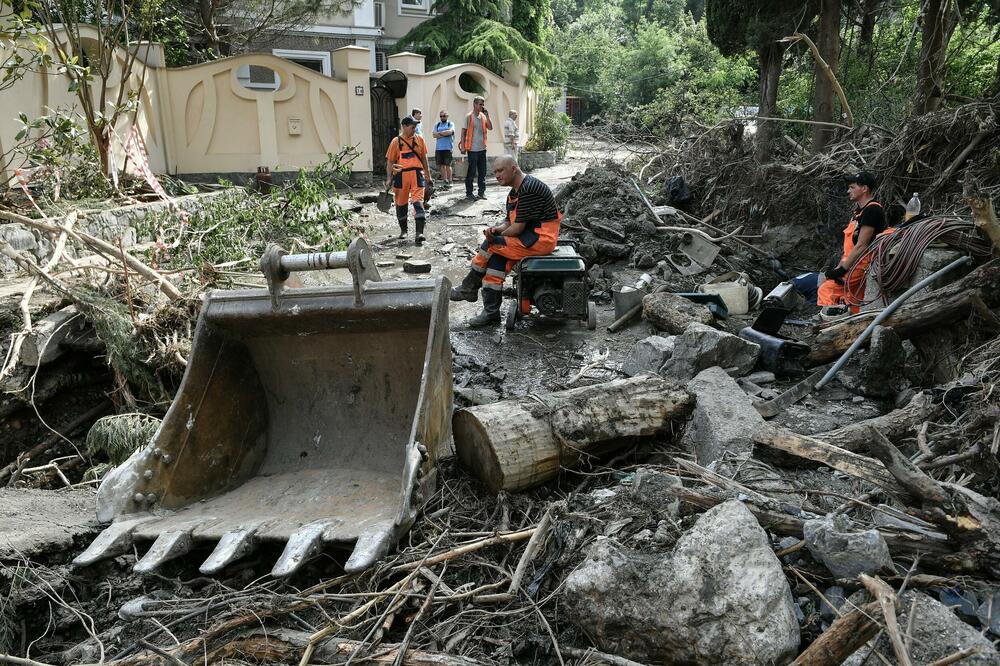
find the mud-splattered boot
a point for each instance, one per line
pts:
(401, 218)
(469, 289)
(491, 309)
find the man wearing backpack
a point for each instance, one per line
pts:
(408, 173)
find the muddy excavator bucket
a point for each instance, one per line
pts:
(309, 417)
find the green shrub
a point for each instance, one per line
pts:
(551, 130)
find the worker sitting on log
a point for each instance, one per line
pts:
(407, 171)
(843, 288)
(531, 228)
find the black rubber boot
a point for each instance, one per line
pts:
(491, 309)
(469, 289)
(401, 218)
(419, 223)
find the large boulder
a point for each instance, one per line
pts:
(723, 421)
(845, 551)
(672, 313)
(935, 633)
(702, 346)
(720, 598)
(648, 355)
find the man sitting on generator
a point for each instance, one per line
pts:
(531, 228)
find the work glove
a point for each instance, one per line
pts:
(836, 274)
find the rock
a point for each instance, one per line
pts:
(646, 261)
(403, 256)
(723, 420)
(720, 598)
(648, 355)
(447, 248)
(936, 632)
(672, 313)
(385, 264)
(761, 377)
(835, 595)
(845, 552)
(702, 346)
(607, 249)
(653, 488)
(416, 266)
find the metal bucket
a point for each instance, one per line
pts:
(311, 417)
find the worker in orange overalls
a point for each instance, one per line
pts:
(531, 228)
(844, 287)
(407, 171)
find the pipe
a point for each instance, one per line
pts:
(882, 316)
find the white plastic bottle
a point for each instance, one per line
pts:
(912, 207)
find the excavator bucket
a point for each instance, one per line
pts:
(309, 417)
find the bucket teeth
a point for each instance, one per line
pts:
(370, 546)
(166, 547)
(114, 540)
(232, 546)
(302, 545)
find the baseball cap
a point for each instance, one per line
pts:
(862, 178)
(408, 120)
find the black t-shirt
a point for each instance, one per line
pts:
(872, 215)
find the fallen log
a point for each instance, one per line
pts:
(844, 637)
(812, 448)
(895, 425)
(516, 444)
(953, 302)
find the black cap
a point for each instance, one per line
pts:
(862, 178)
(408, 120)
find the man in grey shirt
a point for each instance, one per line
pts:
(473, 146)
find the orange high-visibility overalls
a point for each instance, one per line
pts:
(496, 259)
(408, 184)
(852, 291)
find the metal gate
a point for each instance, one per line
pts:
(385, 123)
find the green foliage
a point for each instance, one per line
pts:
(118, 436)
(465, 31)
(239, 223)
(660, 73)
(704, 84)
(57, 149)
(531, 19)
(738, 25)
(551, 131)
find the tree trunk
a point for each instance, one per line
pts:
(516, 444)
(939, 23)
(828, 44)
(869, 15)
(769, 58)
(979, 290)
(206, 10)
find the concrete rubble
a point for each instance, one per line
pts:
(845, 550)
(934, 632)
(655, 609)
(649, 355)
(672, 313)
(700, 347)
(723, 421)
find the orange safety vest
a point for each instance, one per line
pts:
(852, 292)
(469, 130)
(410, 159)
(546, 231)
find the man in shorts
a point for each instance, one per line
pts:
(444, 133)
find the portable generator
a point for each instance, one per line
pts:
(556, 285)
